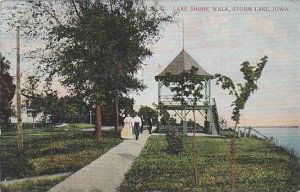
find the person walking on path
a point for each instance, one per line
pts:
(150, 125)
(137, 122)
(126, 132)
(142, 125)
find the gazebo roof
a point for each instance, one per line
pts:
(182, 62)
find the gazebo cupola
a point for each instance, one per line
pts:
(184, 62)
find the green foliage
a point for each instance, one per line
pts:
(51, 107)
(33, 97)
(96, 47)
(175, 142)
(206, 128)
(67, 109)
(223, 123)
(251, 75)
(187, 86)
(148, 112)
(173, 138)
(125, 106)
(156, 170)
(165, 118)
(7, 90)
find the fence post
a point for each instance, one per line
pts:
(249, 132)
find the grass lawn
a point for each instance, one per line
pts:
(32, 185)
(262, 166)
(72, 149)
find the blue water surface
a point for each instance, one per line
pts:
(285, 136)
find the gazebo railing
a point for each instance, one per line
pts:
(168, 100)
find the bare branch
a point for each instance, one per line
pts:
(76, 10)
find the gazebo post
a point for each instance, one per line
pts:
(159, 88)
(210, 107)
(159, 85)
(206, 94)
(209, 92)
(208, 110)
(184, 122)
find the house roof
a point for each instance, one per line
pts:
(182, 62)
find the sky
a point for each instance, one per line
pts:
(220, 35)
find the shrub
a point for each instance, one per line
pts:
(175, 142)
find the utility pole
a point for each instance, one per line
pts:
(18, 92)
(1, 71)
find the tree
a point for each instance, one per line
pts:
(123, 106)
(73, 109)
(148, 113)
(251, 75)
(33, 99)
(223, 123)
(51, 107)
(7, 91)
(98, 46)
(174, 138)
(187, 87)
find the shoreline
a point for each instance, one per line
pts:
(273, 127)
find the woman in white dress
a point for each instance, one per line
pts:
(126, 132)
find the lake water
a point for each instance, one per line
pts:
(286, 137)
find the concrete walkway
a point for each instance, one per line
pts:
(107, 172)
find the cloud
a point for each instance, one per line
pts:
(266, 27)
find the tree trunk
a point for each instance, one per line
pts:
(33, 124)
(233, 161)
(196, 179)
(51, 143)
(98, 129)
(117, 116)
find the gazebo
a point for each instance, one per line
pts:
(207, 106)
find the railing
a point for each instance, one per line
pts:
(168, 100)
(249, 132)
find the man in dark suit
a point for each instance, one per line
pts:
(143, 123)
(150, 125)
(137, 122)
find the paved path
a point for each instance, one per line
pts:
(107, 172)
